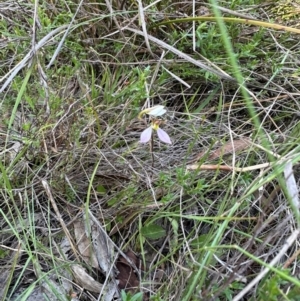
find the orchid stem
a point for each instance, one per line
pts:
(151, 149)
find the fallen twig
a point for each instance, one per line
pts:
(226, 167)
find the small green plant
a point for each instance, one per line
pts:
(276, 288)
(128, 297)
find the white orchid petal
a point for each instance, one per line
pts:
(146, 135)
(163, 136)
(157, 111)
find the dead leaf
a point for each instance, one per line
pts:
(291, 184)
(85, 280)
(158, 275)
(104, 248)
(229, 147)
(127, 277)
(84, 244)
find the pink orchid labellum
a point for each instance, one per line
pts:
(162, 135)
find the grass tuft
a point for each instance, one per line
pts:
(90, 213)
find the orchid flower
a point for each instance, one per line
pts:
(162, 135)
(146, 135)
